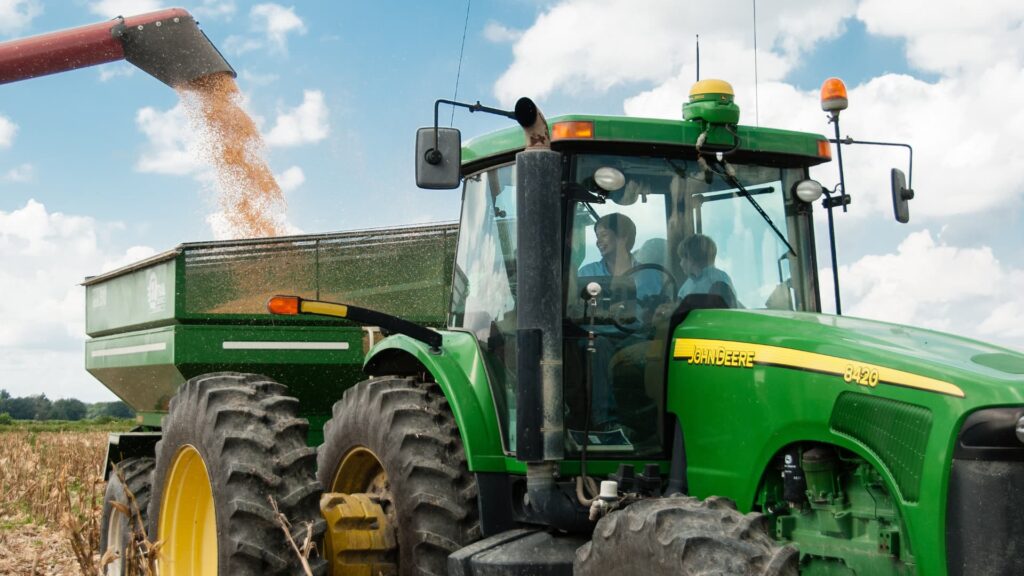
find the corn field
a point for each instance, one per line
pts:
(51, 496)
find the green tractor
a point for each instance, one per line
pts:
(620, 367)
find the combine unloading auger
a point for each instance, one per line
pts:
(166, 44)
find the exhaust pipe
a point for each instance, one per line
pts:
(540, 433)
(166, 44)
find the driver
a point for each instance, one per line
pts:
(616, 235)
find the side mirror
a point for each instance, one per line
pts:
(438, 161)
(901, 195)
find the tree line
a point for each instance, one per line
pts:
(40, 407)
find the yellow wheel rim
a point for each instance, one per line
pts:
(188, 522)
(360, 471)
(360, 539)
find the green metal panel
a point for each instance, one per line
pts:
(139, 298)
(653, 131)
(896, 431)
(736, 419)
(459, 370)
(145, 368)
(137, 367)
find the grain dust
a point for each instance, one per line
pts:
(250, 198)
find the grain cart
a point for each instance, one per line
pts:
(592, 398)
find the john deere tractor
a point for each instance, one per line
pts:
(620, 366)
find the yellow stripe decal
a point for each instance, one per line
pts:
(324, 308)
(745, 355)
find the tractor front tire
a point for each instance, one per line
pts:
(232, 448)
(684, 536)
(393, 447)
(117, 529)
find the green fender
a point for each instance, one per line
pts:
(460, 372)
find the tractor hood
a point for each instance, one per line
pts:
(911, 357)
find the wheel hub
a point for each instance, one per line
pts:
(360, 539)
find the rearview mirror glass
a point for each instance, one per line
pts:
(901, 196)
(438, 163)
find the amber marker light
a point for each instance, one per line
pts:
(572, 130)
(284, 305)
(833, 96)
(824, 149)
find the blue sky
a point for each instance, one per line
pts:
(95, 168)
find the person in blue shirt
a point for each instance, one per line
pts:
(616, 235)
(697, 258)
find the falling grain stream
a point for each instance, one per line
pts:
(250, 198)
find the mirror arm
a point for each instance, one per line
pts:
(433, 156)
(910, 149)
(829, 204)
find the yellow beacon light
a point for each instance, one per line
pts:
(833, 96)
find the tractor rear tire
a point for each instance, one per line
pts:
(684, 536)
(231, 443)
(394, 441)
(116, 528)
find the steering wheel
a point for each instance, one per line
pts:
(669, 280)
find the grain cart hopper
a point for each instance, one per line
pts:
(633, 376)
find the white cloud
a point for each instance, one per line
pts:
(929, 283)
(257, 79)
(273, 23)
(277, 22)
(173, 146)
(291, 179)
(305, 124)
(45, 256)
(110, 71)
(499, 33)
(214, 9)
(114, 8)
(652, 50)
(239, 45)
(20, 173)
(8, 130)
(950, 40)
(17, 15)
(621, 45)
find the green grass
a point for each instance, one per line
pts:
(99, 425)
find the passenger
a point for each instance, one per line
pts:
(697, 259)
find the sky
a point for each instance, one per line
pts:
(98, 167)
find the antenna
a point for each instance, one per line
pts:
(756, 120)
(698, 57)
(462, 50)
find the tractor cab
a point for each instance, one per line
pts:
(652, 212)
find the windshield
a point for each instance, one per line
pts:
(668, 229)
(701, 232)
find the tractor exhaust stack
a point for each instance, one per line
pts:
(166, 44)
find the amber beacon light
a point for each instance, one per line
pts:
(833, 96)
